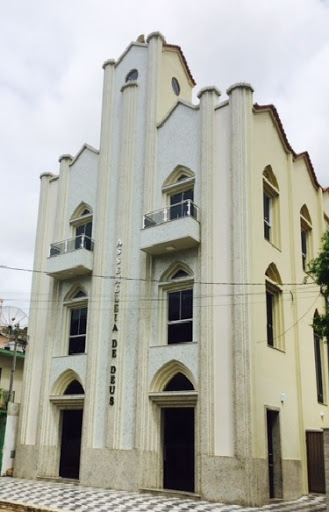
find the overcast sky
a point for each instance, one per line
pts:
(51, 82)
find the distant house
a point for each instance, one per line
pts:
(6, 357)
(9, 416)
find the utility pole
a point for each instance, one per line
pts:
(11, 318)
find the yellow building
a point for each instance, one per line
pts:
(176, 351)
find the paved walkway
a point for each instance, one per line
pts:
(69, 497)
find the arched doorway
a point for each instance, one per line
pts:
(71, 429)
(178, 439)
(178, 448)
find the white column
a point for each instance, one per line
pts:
(155, 42)
(41, 287)
(121, 415)
(98, 328)
(61, 213)
(240, 104)
(208, 101)
(145, 433)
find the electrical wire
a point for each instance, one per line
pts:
(124, 278)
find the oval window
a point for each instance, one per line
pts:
(175, 85)
(132, 75)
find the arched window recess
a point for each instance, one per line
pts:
(318, 358)
(176, 299)
(76, 304)
(177, 271)
(81, 213)
(178, 190)
(180, 179)
(81, 222)
(67, 392)
(76, 294)
(173, 386)
(271, 207)
(306, 236)
(274, 308)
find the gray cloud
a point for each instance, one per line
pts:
(51, 84)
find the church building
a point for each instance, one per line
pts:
(171, 345)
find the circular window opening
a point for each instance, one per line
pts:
(132, 75)
(175, 85)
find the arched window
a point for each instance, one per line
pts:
(82, 222)
(74, 388)
(274, 313)
(179, 191)
(77, 309)
(318, 364)
(271, 206)
(306, 236)
(176, 293)
(132, 75)
(179, 383)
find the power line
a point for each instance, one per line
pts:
(123, 278)
(286, 296)
(296, 323)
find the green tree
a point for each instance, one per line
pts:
(319, 270)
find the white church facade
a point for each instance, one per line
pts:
(171, 344)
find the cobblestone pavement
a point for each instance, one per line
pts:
(70, 497)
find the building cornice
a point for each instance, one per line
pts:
(131, 83)
(179, 102)
(49, 175)
(288, 148)
(211, 89)
(178, 49)
(239, 85)
(82, 149)
(156, 35)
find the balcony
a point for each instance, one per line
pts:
(173, 228)
(71, 258)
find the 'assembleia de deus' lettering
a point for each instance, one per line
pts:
(115, 330)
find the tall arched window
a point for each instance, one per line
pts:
(318, 365)
(271, 206)
(274, 313)
(82, 222)
(179, 190)
(306, 236)
(177, 294)
(77, 310)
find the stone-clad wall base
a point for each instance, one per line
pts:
(26, 461)
(48, 465)
(292, 480)
(149, 471)
(118, 469)
(224, 479)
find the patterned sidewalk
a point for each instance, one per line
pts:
(69, 497)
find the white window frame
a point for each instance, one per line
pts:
(273, 287)
(271, 191)
(179, 284)
(69, 306)
(306, 227)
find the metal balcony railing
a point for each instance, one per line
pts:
(72, 244)
(176, 211)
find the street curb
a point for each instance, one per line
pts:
(13, 506)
